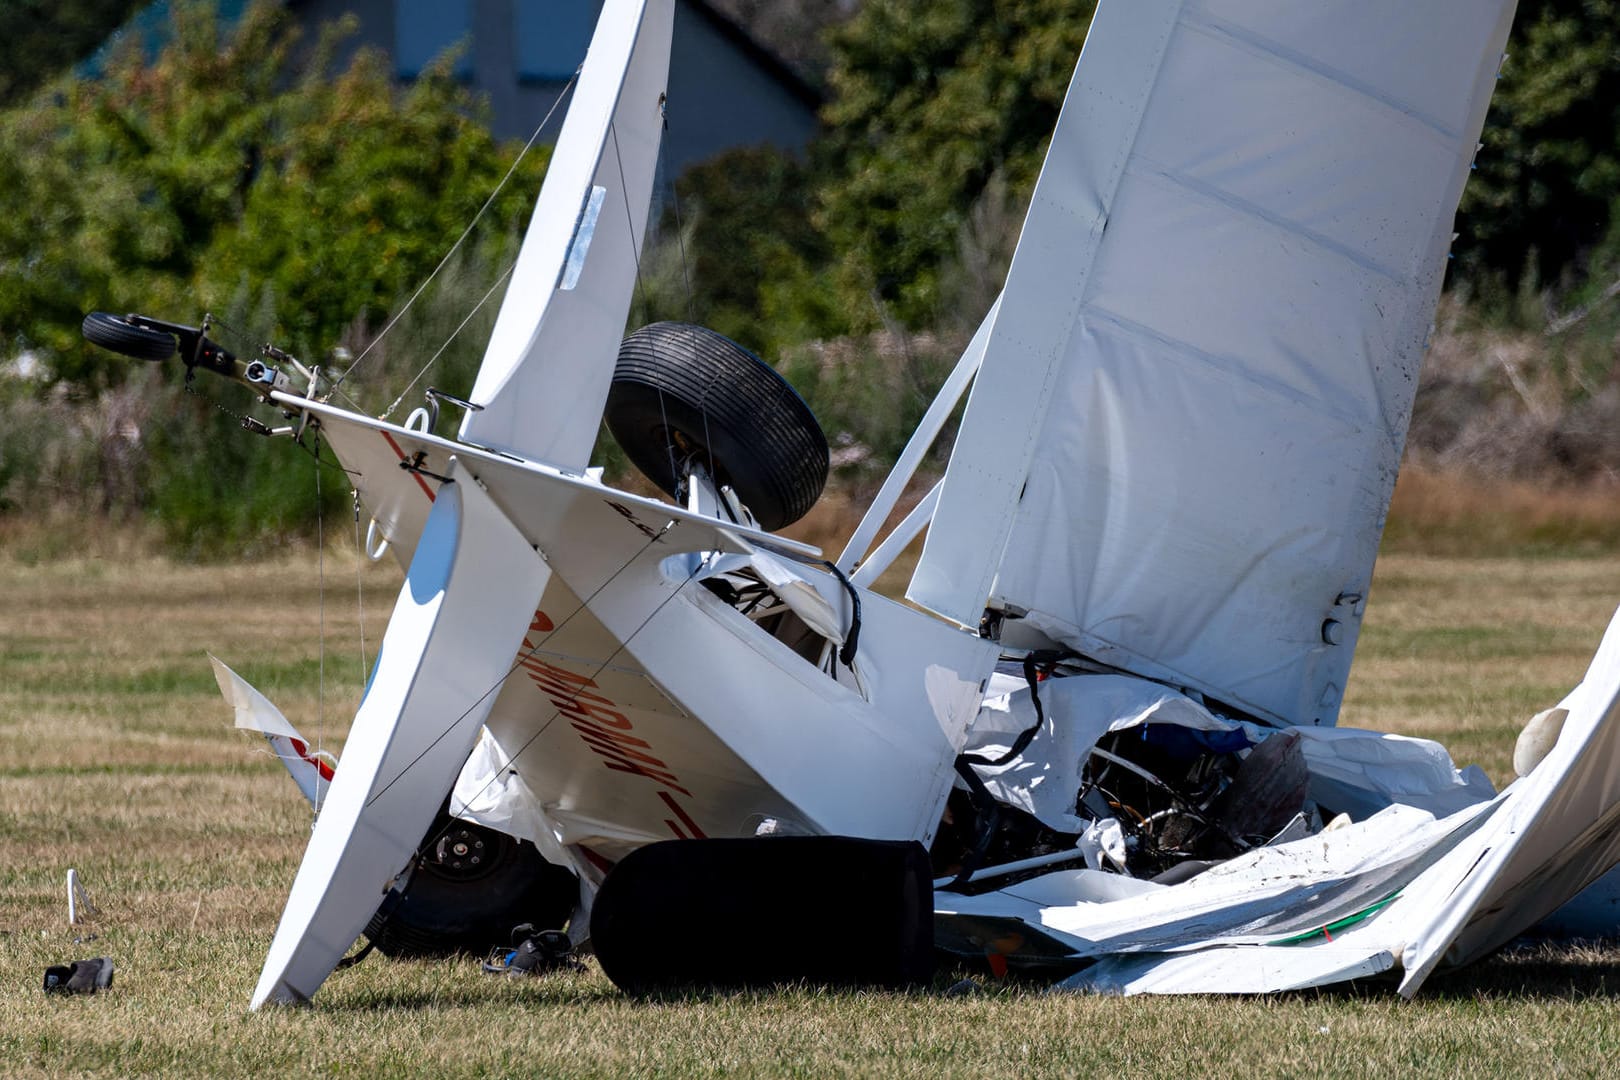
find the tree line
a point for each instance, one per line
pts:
(244, 173)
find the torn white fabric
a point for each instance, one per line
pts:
(1557, 832)
(799, 595)
(311, 770)
(1079, 710)
(1352, 771)
(1102, 842)
(489, 792)
(254, 711)
(1403, 888)
(1238, 969)
(1360, 772)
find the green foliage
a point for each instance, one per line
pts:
(1547, 186)
(932, 99)
(163, 188)
(221, 493)
(870, 392)
(745, 213)
(239, 174)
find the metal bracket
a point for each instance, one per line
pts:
(434, 395)
(414, 465)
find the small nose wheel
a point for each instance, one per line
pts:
(124, 334)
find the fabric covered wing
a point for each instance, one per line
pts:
(1180, 448)
(550, 358)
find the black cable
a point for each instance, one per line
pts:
(390, 901)
(987, 820)
(988, 809)
(350, 961)
(846, 655)
(1032, 662)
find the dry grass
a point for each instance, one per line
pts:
(118, 759)
(1452, 513)
(1523, 401)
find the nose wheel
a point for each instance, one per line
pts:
(470, 887)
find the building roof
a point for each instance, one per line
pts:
(734, 30)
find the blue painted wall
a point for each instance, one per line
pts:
(723, 91)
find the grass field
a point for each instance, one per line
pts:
(118, 759)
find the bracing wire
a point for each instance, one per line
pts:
(490, 201)
(680, 227)
(433, 838)
(641, 291)
(453, 334)
(629, 214)
(360, 586)
(518, 663)
(691, 303)
(584, 604)
(320, 564)
(572, 698)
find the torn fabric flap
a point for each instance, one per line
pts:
(1263, 913)
(1235, 969)
(1557, 832)
(1079, 709)
(312, 771)
(1352, 771)
(801, 597)
(254, 711)
(1360, 772)
(1103, 845)
(489, 792)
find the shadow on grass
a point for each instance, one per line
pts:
(1570, 971)
(554, 990)
(1522, 972)
(548, 991)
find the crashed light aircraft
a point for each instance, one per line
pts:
(1100, 740)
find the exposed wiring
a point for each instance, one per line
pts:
(988, 808)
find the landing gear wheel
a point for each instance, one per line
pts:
(685, 394)
(760, 911)
(471, 886)
(117, 333)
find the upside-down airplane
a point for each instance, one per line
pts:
(1100, 738)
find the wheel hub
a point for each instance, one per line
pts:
(464, 852)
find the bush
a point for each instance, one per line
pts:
(239, 174)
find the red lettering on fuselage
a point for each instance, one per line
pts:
(604, 730)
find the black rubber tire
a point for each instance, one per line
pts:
(117, 333)
(756, 912)
(441, 913)
(681, 390)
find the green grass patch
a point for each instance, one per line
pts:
(125, 766)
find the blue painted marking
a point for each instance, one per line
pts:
(436, 551)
